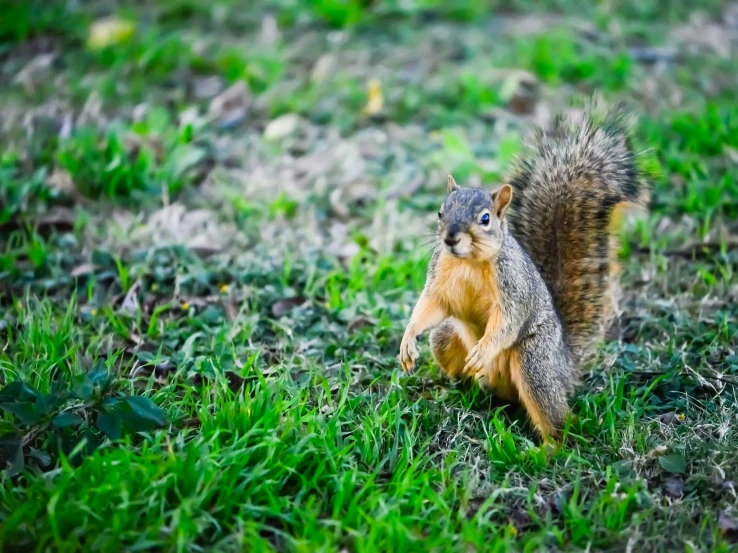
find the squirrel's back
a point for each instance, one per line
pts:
(571, 185)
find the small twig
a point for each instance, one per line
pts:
(33, 433)
(695, 249)
(661, 373)
(28, 438)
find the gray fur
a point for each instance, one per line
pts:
(567, 184)
(531, 322)
(546, 363)
(463, 205)
(554, 263)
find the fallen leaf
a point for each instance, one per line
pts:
(233, 101)
(357, 323)
(207, 87)
(281, 127)
(62, 181)
(669, 418)
(521, 91)
(730, 16)
(198, 229)
(164, 368)
(269, 30)
(338, 206)
(233, 117)
(375, 104)
(284, 306)
(673, 463)
(84, 269)
(344, 251)
(66, 129)
(91, 114)
(556, 502)
(529, 24)
(520, 518)
(323, 68)
(729, 525)
(109, 32)
(650, 54)
(34, 73)
(130, 302)
(43, 458)
(235, 381)
(701, 34)
(731, 153)
(674, 487)
(230, 310)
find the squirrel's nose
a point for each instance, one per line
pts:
(452, 235)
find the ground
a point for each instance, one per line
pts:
(214, 221)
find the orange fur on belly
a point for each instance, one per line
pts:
(468, 289)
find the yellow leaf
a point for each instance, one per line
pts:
(376, 101)
(109, 31)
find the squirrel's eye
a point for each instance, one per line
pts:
(485, 219)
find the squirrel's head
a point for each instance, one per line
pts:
(470, 222)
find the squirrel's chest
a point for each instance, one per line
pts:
(469, 291)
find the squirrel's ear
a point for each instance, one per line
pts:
(451, 184)
(502, 199)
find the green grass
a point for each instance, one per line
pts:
(199, 325)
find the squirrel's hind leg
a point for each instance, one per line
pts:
(544, 380)
(450, 343)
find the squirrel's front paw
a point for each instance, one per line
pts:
(478, 360)
(408, 351)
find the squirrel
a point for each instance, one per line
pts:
(518, 301)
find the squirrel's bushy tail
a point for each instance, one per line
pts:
(571, 188)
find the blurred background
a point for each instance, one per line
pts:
(356, 108)
(198, 196)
